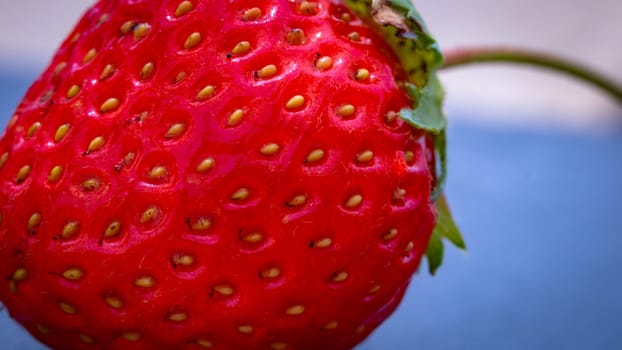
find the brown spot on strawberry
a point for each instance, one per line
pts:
(67, 308)
(131, 336)
(113, 301)
(364, 157)
(251, 14)
(354, 36)
(32, 130)
(184, 260)
(176, 130)
(90, 185)
(20, 274)
(389, 235)
(296, 36)
(338, 277)
(205, 165)
(245, 329)
(235, 118)
(95, 145)
(55, 173)
(22, 174)
(147, 70)
(297, 201)
(193, 40)
(89, 56)
(321, 243)
(346, 110)
(241, 48)
(107, 72)
(295, 102)
(240, 195)
(267, 71)
(295, 310)
(145, 282)
(179, 77)
(110, 105)
(330, 326)
(353, 201)
(315, 156)
(204, 343)
(206, 92)
(61, 132)
(3, 159)
(73, 274)
(177, 316)
(70, 229)
(270, 149)
(252, 237)
(200, 224)
(127, 27)
(309, 8)
(361, 74)
(59, 68)
(409, 156)
(158, 172)
(33, 223)
(113, 229)
(73, 91)
(374, 289)
(324, 63)
(222, 289)
(141, 30)
(183, 8)
(150, 214)
(270, 273)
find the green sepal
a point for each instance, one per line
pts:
(434, 253)
(428, 114)
(445, 228)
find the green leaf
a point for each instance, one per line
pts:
(445, 225)
(428, 113)
(434, 253)
(445, 228)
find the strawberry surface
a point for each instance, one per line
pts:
(213, 174)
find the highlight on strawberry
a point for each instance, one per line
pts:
(228, 174)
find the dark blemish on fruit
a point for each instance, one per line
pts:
(296, 36)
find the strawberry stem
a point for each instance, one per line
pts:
(463, 56)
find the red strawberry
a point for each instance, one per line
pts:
(219, 174)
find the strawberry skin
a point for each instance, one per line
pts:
(213, 174)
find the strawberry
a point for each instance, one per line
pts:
(220, 174)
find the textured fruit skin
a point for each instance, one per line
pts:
(295, 262)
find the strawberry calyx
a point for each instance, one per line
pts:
(399, 23)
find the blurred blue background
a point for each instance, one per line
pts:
(535, 183)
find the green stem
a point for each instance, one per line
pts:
(464, 56)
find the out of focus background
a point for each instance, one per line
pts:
(535, 176)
